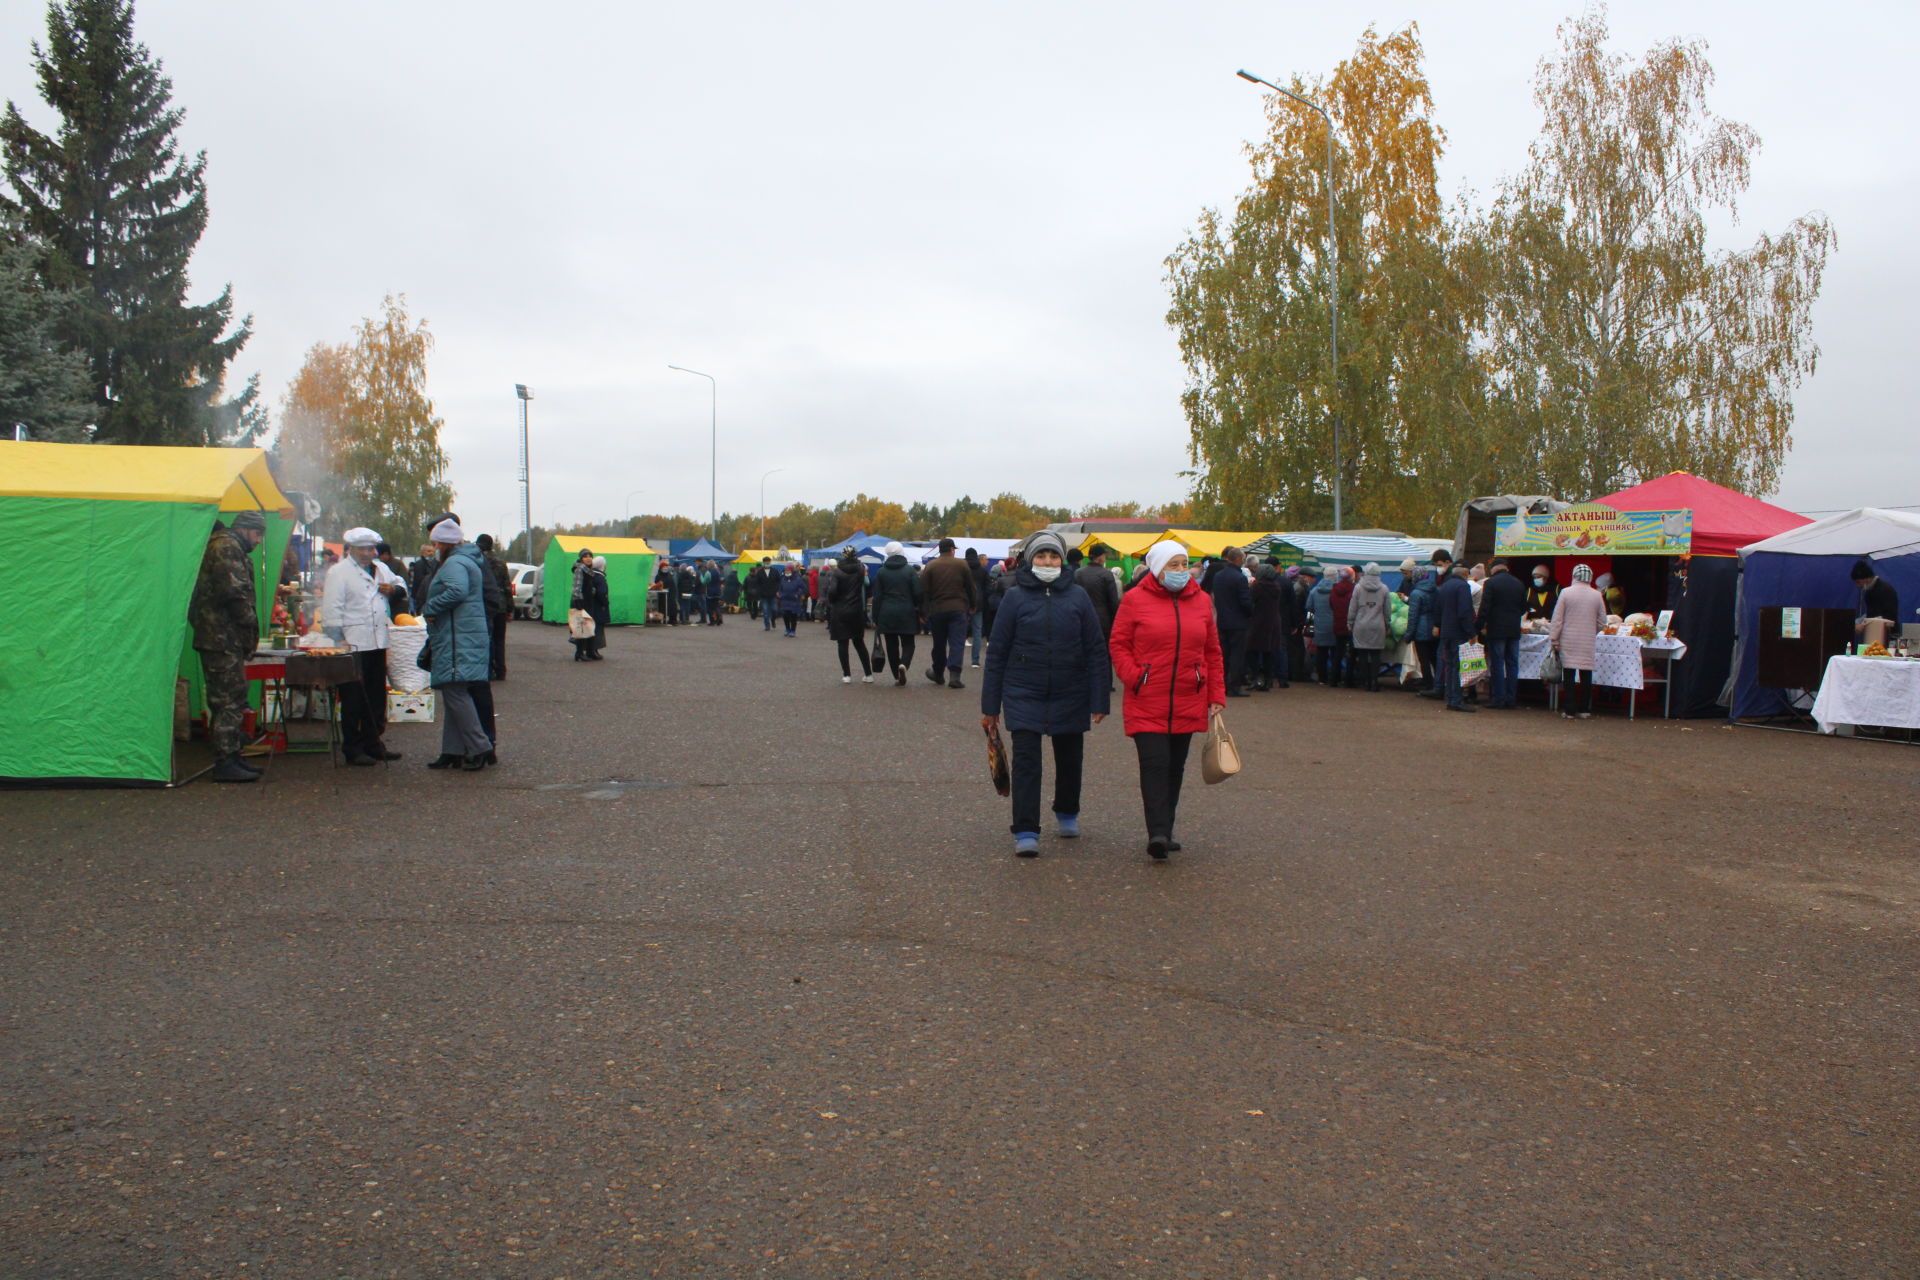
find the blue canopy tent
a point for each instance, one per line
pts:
(862, 543)
(701, 549)
(1810, 568)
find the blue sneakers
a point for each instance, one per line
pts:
(1026, 844)
(1069, 825)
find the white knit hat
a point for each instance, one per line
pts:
(1160, 552)
(447, 531)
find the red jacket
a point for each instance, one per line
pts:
(1342, 597)
(1166, 654)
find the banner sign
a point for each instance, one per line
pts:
(1592, 529)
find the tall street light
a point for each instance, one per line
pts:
(1333, 286)
(526, 482)
(763, 504)
(713, 505)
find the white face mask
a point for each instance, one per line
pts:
(1539, 582)
(1175, 579)
(1046, 572)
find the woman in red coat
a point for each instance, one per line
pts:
(1166, 654)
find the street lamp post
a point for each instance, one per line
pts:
(526, 480)
(763, 504)
(1333, 286)
(630, 497)
(713, 505)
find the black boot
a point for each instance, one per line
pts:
(473, 764)
(443, 761)
(230, 769)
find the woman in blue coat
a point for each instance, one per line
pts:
(1422, 618)
(1047, 670)
(1320, 611)
(462, 645)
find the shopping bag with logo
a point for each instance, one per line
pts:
(1220, 756)
(997, 767)
(1473, 663)
(579, 624)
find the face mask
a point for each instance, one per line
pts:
(1046, 572)
(1539, 582)
(1175, 579)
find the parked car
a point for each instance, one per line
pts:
(526, 590)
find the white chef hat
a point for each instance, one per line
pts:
(360, 536)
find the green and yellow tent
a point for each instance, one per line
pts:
(630, 566)
(99, 549)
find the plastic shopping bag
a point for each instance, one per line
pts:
(1473, 663)
(579, 624)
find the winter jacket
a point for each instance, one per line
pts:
(847, 601)
(710, 579)
(792, 593)
(1166, 653)
(896, 598)
(1541, 600)
(1453, 602)
(947, 584)
(1577, 618)
(225, 618)
(1232, 598)
(1342, 601)
(1320, 606)
(1046, 664)
(1503, 605)
(1367, 614)
(1099, 584)
(457, 618)
(1422, 616)
(355, 611)
(1270, 600)
(750, 587)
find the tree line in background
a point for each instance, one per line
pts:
(1574, 337)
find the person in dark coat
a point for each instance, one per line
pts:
(897, 610)
(982, 621)
(1422, 618)
(1267, 636)
(1047, 670)
(497, 619)
(1098, 582)
(594, 599)
(1233, 614)
(1166, 652)
(420, 575)
(1454, 626)
(1341, 598)
(710, 576)
(950, 599)
(791, 597)
(1503, 610)
(456, 612)
(846, 600)
(666, 582)
(692, 601)
(750, 595)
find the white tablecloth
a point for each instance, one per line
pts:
(1616, 659)
(1879, 691)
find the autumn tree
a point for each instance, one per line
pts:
(119, 212)
(1250, 307)
(358, 430)
(871, 515)
(1625, 346)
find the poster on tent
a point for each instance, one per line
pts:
(1591, 527)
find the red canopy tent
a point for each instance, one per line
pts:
(1723, 520)
(1703, 598)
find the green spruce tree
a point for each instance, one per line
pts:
(43, 384)
(119, 212)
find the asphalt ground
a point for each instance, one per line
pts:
(727, 971)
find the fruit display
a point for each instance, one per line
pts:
(405, 620)
(1876, 651)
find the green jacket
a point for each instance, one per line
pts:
(223, 614)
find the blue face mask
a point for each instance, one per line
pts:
(1175, 579)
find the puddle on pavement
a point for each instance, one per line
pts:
(610, 788)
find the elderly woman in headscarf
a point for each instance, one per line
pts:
(1047, 670)
(1267, 637)
(594, 599)
(353, 605)
(846, 599)
(1578, 616)
(1166, 653)
(1367, 618)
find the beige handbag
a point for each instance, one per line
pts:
(1220, 756)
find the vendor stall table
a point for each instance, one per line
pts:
(1619, 663)
(1868, 691)
(280, 672)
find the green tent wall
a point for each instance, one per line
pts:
(629, 577)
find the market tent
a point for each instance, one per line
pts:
(1810, 568)
(1473, 534)
(990, 549)
(704, 550)
(1334, 549)
(860, 542)
(1128, 546)
(1208, 542)
(630, 566)
(71, 711)
(1703, 602)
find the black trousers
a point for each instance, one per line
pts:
(1069, 753)
(1367, 663)
(497, 637)
(1429, 651)
(363, 705)
(1233, 655)
(1163, 764)
(859, 643)
(899, 651)
(1572, 680)
(1343, 661)
(483, 706)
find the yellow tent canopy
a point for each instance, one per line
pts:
(232, 479)
(573, 544)
(1128, 545)
(1209, 542)
(756, 555)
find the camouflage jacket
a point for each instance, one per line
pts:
(223, 614)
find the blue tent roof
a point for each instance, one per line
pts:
(703, 550)
(860, 542)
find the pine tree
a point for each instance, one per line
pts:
(43, 385)
(119, 212)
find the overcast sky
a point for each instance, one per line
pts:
(920, 249)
